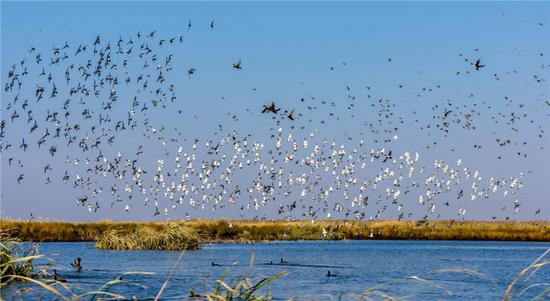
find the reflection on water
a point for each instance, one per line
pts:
(461, 270)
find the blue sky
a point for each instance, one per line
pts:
(287, 50)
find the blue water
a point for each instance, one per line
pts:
(486, 268)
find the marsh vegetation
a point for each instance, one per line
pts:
(173, 235)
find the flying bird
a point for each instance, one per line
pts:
(237, 64)
(191, 71)
(270, 109)
(478, 65)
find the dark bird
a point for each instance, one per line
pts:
(290, 115)
(23, 145)
(237, 64)
(388, 157)
(57, 277)
(77, 264)
(270, 109)
(478, 65)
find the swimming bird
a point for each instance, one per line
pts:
(77, 264)
(57, 277)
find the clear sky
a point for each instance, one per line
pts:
(287, 51)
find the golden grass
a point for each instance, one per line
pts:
(243, 290)
(532, 268)
(169, 236)
(244, 231)
(17, 261)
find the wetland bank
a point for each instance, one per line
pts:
(108, 234)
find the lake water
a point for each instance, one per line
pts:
(455, 270)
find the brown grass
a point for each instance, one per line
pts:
(169, 236)
(244, 231)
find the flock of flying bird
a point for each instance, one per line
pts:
(84, 101)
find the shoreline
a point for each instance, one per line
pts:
(246, 231)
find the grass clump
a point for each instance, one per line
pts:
(526, 274)
(244, 290)
(16, 261)
(161, 236)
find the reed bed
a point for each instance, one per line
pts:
(246, 231)
(169, 236)
(16, 261)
